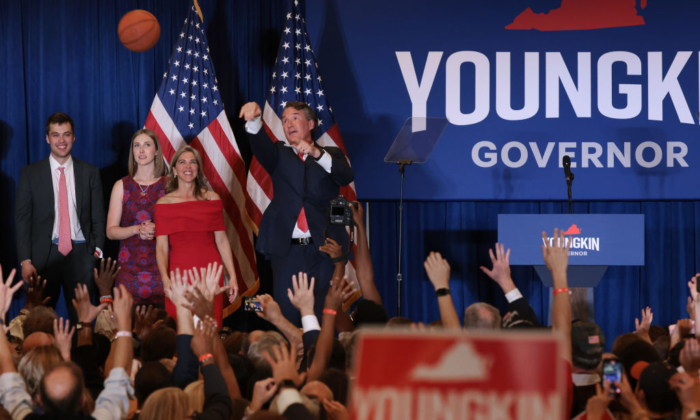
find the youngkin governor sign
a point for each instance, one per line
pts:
(614, 84)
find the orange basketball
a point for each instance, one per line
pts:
(139, 30)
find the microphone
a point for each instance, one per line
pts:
(566, 162)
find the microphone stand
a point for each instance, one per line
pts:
(399, 274)
(569, 181)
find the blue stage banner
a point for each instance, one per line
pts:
(611, 83)
(596, 239)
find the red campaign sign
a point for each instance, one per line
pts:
(402, 375)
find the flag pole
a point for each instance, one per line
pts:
(199, 11)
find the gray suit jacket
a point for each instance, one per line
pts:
(34, 209)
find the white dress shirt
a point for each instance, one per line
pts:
(325, 161)
(76, 233)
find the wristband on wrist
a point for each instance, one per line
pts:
(562, 290)
(107, 298)
(330, 311)
(123, 334)
(443, 291)
(205, 356)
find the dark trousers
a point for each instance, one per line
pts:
(307, 259)
(67, 272)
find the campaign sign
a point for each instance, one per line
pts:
(596, 239)
(453, 375)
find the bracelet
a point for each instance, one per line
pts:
(106, 300)
(562, 290)
(443, 291)
(110, 297)
(330, 311)
(123, 334)
(204, 357)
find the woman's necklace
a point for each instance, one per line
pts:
(143, 191)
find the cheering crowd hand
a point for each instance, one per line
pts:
(145, 317)
(34, 292)
(203, 338)
(104, 277)
(271, 311)
(123, 302)
(687, 390)
(647, 317)
(597, 404)
(358, 213)
(284, 365)
(500, 273)
(303, 295)
(335, 410)
(263, 391)
(178, 288)
(7, 290)
(690, 356)
(337, 294)
(198, 303)
(331, 248)
(63, 336)
(438, 270)
(556, 255)
(250, 111)
(87, 312)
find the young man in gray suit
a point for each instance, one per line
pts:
(59, 217)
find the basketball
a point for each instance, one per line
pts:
(139, 30)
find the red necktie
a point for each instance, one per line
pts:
(301, 220)
(64, 242)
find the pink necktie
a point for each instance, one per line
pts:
(64, 242)
(301, 220)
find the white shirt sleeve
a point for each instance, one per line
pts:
(326, 161)
(253, 126)
(113, 401)
(513, 295)
(310, 323)
(14, 396)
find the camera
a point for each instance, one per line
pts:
(340, 212)
(250, 304)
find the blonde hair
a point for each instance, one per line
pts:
(159, 169)
(167, 403)
(195, 396)
(199, 182)
(35, 364)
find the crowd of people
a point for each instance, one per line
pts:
(144, 336)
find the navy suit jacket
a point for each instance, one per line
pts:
(298, 183)
(34, 209)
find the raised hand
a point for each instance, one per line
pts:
(87, 312)
(250, 111)
(204, 336)
(597, 404)
(104, 277)
(34, 292)
(284, 365)
(687, 390)
(271, 310)
(500, 273)
(303, 295)
(178, 288)
(438, 270)
(263, 391)
(335, 410)
(207, 280)
(123, 302)
(331, 248)
(337, 294)
(690, 356)
(145, 317)
(199, 304)
(556, 255)
(63, 336)
(647, 317)
(7, 290)
(358, 213)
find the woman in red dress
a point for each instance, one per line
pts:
(190, 230)
(130, 219)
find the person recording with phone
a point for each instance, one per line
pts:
(305, 178)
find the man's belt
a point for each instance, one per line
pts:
(302, 241)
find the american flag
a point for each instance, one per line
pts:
(295, 77)
(188, 109)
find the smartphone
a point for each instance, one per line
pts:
(251, 304)
(612, 371)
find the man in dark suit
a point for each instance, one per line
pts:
(59, 217)
(305, 178)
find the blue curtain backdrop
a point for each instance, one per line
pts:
(64, 55)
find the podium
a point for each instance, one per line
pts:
(597, 242)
